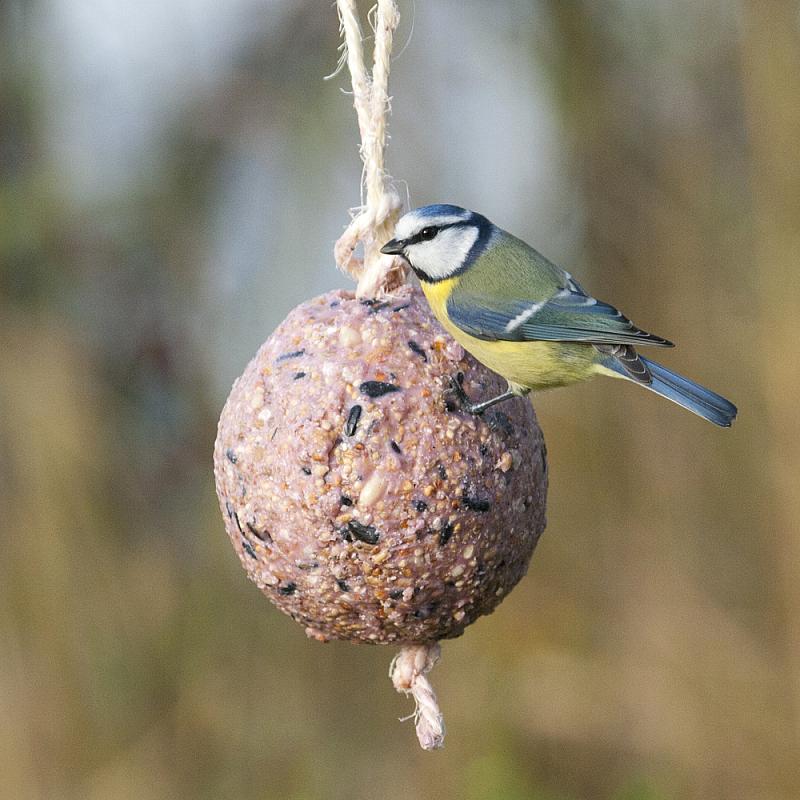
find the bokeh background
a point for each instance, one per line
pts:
(172, 179)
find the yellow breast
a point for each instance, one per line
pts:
(533, 365)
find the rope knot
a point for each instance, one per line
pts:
(407, 671)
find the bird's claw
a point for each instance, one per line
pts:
(456, 390)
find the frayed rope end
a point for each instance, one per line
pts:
(407, 671)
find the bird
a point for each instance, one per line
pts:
(527, 319)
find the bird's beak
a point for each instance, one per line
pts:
(394, 247)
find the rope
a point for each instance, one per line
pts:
(407, 672)
(372, 226)
(373, 222)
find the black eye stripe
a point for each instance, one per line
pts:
(418, 237)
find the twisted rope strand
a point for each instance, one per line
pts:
(374, 221)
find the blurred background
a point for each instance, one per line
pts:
(172, 179)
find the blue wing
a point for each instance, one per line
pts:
(570, 315)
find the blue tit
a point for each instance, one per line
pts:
(527, 319)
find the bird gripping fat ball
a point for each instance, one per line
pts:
(359, 493)
(527, 319)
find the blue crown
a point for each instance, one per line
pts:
(443, 210)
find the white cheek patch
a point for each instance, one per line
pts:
(446, 253)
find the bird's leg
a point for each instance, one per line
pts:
(477, 408)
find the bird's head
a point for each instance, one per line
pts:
(439, 241)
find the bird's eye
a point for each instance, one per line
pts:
(428, 233)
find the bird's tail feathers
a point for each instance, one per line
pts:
(684, 392)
